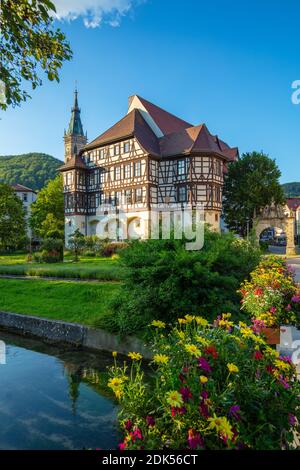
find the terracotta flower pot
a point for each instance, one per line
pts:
(271, 334)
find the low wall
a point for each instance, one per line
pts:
(57, 331)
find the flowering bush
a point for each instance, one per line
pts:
(219, 387)
(271, 297)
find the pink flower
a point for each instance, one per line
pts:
(137, 433)
(288, 307)
(150, 421)
(122, 446)
(202, 362)
(292, 419)
(273, 309)
(258, 325)
(296, 299)
(194, 439)
(128, 425)
(185, 393)
(175, 410)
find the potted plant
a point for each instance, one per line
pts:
(271, 297)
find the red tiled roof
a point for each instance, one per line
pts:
(74, 162)
(195, 139)
(293, 203)
(133, 124)
(167, 122)
(21, 188)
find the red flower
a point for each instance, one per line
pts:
(212, 351)
(202, 362)
(258, 291)
(122, 446)
(258, 355)
(175, 410)
(128, 425)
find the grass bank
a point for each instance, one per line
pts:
(102, 269)
(58, 300)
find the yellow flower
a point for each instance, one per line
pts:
(174, 399)
(134, 356)
(182, 321)
(232, 367)
(115, 382)
(114, 353)
(282, 365)
(189, 318)
(181, 334)
(158, 324)
(161, 359)
(221, 425)
(118, 392)
(203, 379)
(201, 321)
(192, 349)
(202, 341)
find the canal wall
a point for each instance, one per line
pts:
(56, 331)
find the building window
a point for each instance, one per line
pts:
(102, 176)
(128, 196)
(102, 153)
(117, 173)
(117, 150)
(25, 197)
(126, 147)
(137, 169)
(182, 194)
(127, 171)
(216, 217)
(181, 169)
(138, 195)
(118, 198)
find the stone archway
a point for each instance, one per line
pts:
(281, 217)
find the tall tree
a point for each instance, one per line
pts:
(12, 219)
(47, 212)
(29, 42)
(251, 183)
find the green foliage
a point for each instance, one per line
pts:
(52, 250)
(29, 44)
(291, 189)
(12, 219)
(251, 183)
(163, 280)
(33, 170)
(212, 388)
(76, 243)
(47, 212)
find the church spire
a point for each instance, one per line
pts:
(75, 126)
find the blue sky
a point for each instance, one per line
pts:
(226, 63)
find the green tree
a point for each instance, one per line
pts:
(251, 183)
(76, 243)
(12, 219)
(29, 43)
(47, 212)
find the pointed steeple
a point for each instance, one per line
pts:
(75, 126)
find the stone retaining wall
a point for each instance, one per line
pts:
(72, 333)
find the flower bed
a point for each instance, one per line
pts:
(271, 297)
(218, 387)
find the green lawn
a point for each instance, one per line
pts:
(70, 301)
(104, 269)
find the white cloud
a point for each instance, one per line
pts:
(94, 12)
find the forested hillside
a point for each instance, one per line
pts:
(291, 189)
(32, 169)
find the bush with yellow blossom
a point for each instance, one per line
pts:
(270, 297)
(212, 387)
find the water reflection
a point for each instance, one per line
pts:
(54, 398)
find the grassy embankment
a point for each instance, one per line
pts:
(70, 301)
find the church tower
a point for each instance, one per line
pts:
(74, 138)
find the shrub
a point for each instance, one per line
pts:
(163, 280)
(270, 296)
(111, 248)
(218, 387)
(52, 250)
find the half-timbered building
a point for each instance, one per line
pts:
(149, 157)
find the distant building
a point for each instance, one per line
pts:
(27, 196)
(149, 157)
